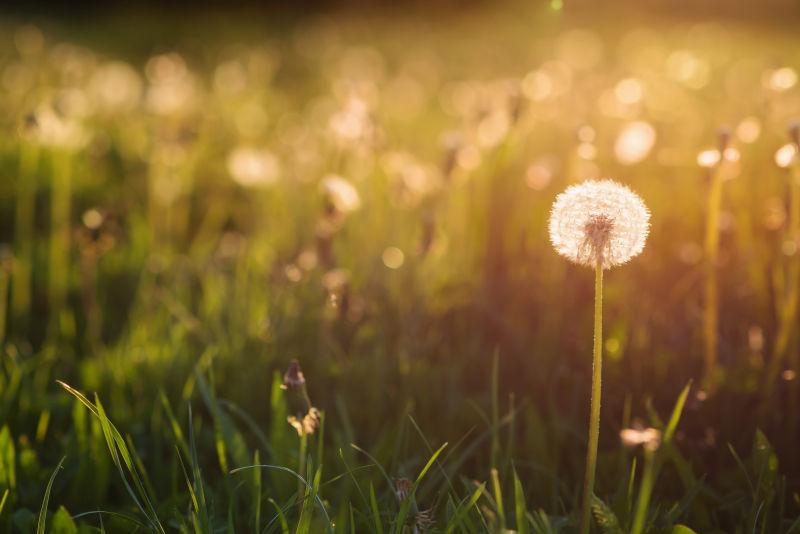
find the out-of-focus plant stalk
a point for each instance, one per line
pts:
(711, 292)
(789, 304)
(594, 418)
(23, 237)
(59, 257)
(646, 490)
(6, 262)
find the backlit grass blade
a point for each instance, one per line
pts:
(42, 522)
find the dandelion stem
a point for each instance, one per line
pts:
(594, 418)
(711, 312)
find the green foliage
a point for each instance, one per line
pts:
(147, 276)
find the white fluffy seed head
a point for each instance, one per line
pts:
(599, 222)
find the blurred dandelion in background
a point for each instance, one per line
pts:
(341, 194)
(251, 167)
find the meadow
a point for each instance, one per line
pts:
(294, 274)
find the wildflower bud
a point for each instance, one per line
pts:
(402, 487)
(293, 378)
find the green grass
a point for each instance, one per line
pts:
(151, 303)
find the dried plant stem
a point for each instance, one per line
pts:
(23, 230)
(711, 312)
(594, 418)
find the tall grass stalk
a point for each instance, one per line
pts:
(646, 490)
(59, 258)
(23, 237)
(710, 290)
(788, 305)
(4, 283)
(594, 418)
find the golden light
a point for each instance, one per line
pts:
(708, 158)
(785, 155)
(634, 142)
(781, 79)
(587, 151)
(748, 130)
(251, 167)
(538, 176)
(686, 67)
(629, 91)
(393, 258)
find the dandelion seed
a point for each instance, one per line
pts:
(599, 222)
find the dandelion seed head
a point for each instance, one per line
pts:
(599, 221)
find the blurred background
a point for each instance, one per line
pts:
(194, 189)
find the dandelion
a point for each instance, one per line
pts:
(598, 224)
